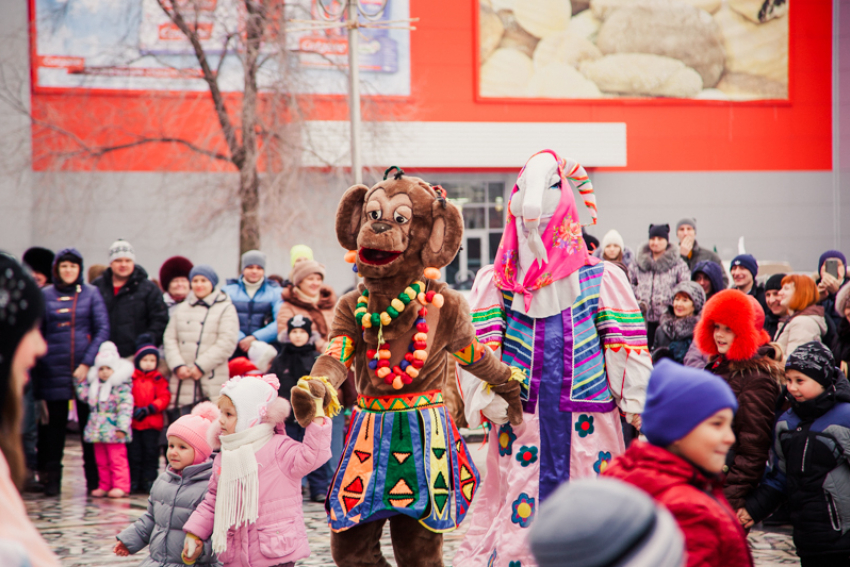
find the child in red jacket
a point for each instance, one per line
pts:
(150, 398)
(688, 423)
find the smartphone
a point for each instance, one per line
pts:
(832, 267)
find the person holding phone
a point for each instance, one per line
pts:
(832, 274)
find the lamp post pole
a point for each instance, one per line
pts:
(354, 88)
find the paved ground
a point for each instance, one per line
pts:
(82, 530)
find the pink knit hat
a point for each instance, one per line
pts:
(193, 428)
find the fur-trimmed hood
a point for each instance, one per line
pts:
(666, 262)
(678, 328)
(732, 308)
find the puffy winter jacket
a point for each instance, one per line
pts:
(756, 384)
(150, 388)
(113, 415)
(204, 333)
(173, 498)
(803, 327)
(258, 314)
(713, 535)
(279, 535)
(74, 325)
(654, 280)
(138, 308)
(810, 469)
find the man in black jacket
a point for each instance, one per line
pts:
(134, 302)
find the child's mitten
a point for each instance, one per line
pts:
(140, 413)
(152, 409)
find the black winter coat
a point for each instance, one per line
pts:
(74, 325)
(810, 470)
(841, 345)
(138, 308)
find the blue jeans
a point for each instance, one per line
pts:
(30, 429)
(320, 478)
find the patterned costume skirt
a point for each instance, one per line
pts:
(403, 455)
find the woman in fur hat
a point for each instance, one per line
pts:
(728, 335)
(656, 271)
(676, 328)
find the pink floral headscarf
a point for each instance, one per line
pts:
(562, 237)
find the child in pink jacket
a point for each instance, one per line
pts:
(252, 509)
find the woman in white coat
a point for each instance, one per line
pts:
(201, 336)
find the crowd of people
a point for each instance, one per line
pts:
(747, 409)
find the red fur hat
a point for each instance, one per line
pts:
(732, 308)
(758, 320)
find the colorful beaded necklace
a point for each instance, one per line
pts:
(414, 359)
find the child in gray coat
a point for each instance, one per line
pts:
(175, 494)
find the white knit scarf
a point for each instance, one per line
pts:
(99, 391)
(238, 495)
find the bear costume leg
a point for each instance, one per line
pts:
(413, 544)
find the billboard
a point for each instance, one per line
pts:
(612, 49)
(131, 45)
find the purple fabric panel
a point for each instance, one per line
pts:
(567, 348)
(536, 364)
(555, 425)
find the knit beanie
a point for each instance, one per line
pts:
(241, 366)
(107, 355)
(40, 260)
(121, 249)
(251, 396)
(174, 267)
(831, 254)
(604, 523)
(303, 269)
(193, 428)
(815, 361)
(21, 308)
(253, 258)
(747, 261)
(206, 271)
(694, 291)
(300, 322)
(660, 230)
(774, 282)
(300, 251)
(687, 222)
(144, 346)
(612, 237)
(679, 398)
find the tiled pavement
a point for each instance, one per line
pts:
(82, 530)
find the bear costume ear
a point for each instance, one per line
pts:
(446, 234)
(349, 215)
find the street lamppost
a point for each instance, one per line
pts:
(331, 17)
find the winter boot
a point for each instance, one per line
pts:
(52, 483)
(32, 484)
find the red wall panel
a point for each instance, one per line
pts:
(663, 135)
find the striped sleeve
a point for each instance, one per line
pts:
(488, 311)
(622, 331)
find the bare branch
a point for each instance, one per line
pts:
(237, 152)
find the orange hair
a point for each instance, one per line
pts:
(805, 291)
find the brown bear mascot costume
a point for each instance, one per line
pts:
(404, 460)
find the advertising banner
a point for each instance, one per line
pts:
(608, 49)
(132, 45)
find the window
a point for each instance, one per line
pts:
(483, 201)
